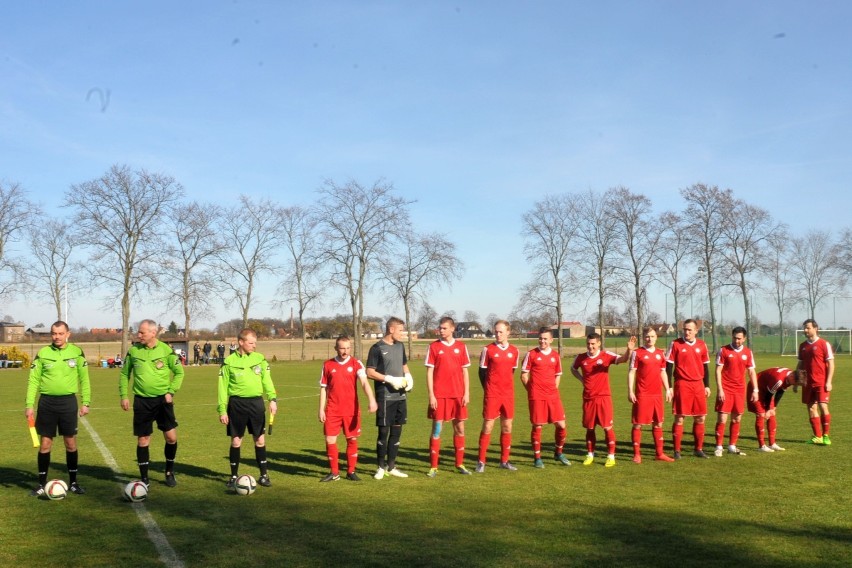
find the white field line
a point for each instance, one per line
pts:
(168, 556)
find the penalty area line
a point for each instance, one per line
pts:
(167, 554)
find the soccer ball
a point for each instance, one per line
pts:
(135, 492)
(56, 489)
(245, 485)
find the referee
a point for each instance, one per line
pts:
(157, 375)
(243, 380)
(54, 375)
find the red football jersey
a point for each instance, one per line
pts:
(500, 363)
(595, 372)
(648, 364)
(689, 359)
(448, 360)
(543, 369)
(814, 357)
(734, 363)
(340, 381)
(771, 381)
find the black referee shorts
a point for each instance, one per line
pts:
(246, 413)
(147, 410)
(57, 413)
(392, 412)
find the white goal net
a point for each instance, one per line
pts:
(840, 339)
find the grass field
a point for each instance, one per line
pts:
(782, 509)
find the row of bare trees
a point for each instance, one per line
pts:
(136, 240)
(613, 246)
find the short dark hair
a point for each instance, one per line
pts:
(447, 319)
(594, 335)
(60, 323)
(739, 329)
(392, 322)
(811, 321)
(545, 330)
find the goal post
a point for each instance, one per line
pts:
(840, 339)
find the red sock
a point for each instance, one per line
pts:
(505, 446)
(351, 454)
(759, 430)
(458, 444)
(773, 426)
(535, 438)
(333, 454)
(720, 433)
(677, 436)
(636, 435)
(698, 434)
(561, 434)
(610, 441)
(735, 433)
(484, 442)
(591, 440)
(815, 426)
(434, 452)
(657, 432)
(826, 424)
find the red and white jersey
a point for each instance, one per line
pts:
(500, 363)
(595, 370)
(543, 368)
(448, 360)
(648, 363)
(769, 381)
(814, 356)
(734, 363)
(340, 381)
(688, 359)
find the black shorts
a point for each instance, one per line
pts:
(146, 410)
(243, 413)
(392, 412)
(57, 413)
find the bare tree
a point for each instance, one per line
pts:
(193, 242)
(779, 278)
(427, 319)
(52, 243)
(707, 213)
(597, 231)
(116, 216)
(817, 267)
(548, 230)
(672, 257)
(15, 212)
(359, 224)
(251, 236)
(639, 235)
(422, 263)
(301, 283)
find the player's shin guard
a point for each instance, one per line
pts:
(816, 426)
(720, 433)
(351, 454)
(234, 459)
(535, 440)
(657, 433)
(71, 461)
(677, 436)
(393, 446)
(636, 437)
(381, 446)
(43, 467)
(561, 434)
(458, 446)
(591, 440)
(434, 452)
(142, 458)
(505, 446)
(484, 442)
(333, 458)
(759, 430)
(826, 424)
(735, 433)
(610, 441)
(698, 434)
(260, 457)
(773, 427)
(170, 452)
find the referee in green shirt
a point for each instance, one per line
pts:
(54, 375)
(157, 375)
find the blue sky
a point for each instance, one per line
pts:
(473, 109)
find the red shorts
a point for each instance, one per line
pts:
(648, 410)
(546, 411)
(351, 425)
(597, 412)
(734, 402)
(689, 399)
(814, 394)
(497, 407)
(758, 408)
(448, 409)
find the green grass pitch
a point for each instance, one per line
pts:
(782, 509)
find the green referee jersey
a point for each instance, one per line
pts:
(56, 372)
(244, 376)
(156, 371)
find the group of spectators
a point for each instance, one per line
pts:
(204, 354)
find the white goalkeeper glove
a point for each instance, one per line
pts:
(395, 382)
(409, 382)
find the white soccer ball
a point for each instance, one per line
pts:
(245, 485)
(136, 491)
(56, 489)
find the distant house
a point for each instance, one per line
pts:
(11, 332)
(569, 329)
(38, 332)
(468, 330)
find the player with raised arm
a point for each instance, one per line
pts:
(647, 384)
(733, 363)
(771, 385)
(816, 357)
(688, 365)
